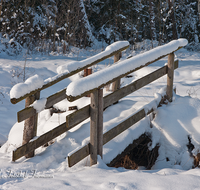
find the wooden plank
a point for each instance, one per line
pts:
(78, 116)
(93, 127)
(55, 98)
(73, 98)
(60, 78)
(37, 97)
(123, 126)
(25, 113)
(78, 155)
(51, 100)
(43, 139)
(170, 76)
(121, 93)
(87, 72)
(100, 124)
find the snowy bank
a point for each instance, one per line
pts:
(102, 77)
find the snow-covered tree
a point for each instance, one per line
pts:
(46, 25)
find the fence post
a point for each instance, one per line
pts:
(87, 71)
(93, 127)
(170, 76)
(96, 125)
(100, 124)
(116, 84)
(30, 124)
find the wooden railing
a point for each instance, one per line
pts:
(95, 111)
(29, 114)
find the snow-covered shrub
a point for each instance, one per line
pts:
(145, 45)
(10, 46)
(193, 46)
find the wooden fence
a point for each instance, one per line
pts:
(94, 111)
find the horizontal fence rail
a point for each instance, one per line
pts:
(51, 100)
(84, 113)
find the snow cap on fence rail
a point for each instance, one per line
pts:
(74, 65)
(23, 89)
(32, 83)
(97, 79)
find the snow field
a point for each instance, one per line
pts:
(171, 127)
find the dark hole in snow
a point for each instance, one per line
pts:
(137, 154)
(196, 158)
(190, 145)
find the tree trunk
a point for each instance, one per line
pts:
(152, 21)
(199, 9)
(86, 23)
(172, 17)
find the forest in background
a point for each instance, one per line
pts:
(55, 25)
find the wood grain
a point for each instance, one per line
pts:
(93, 127)
(170, 76)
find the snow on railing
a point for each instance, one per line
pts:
(23, 90)
(74, 65)
(79, 88)
(32, 83)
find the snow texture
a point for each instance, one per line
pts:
(74, 65)
(29, 85)
(102, 77)
(39, 105)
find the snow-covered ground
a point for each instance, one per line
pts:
(49, 168)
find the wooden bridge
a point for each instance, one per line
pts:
(98, 102)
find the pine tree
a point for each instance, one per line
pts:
(46, 25)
